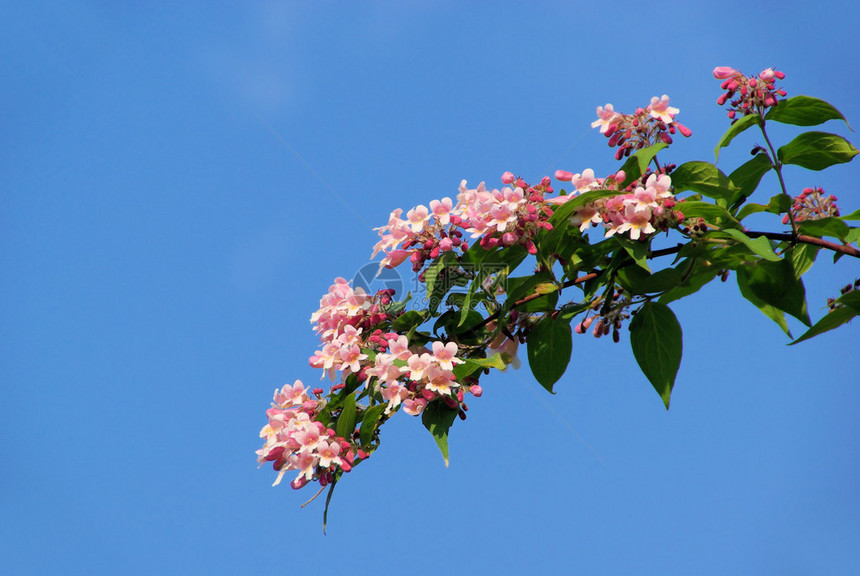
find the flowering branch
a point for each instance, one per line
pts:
(382, 358)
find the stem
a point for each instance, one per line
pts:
(804, 239)
(777, 166)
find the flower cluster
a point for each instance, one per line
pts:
(812, 204)
(748, 95)
(343, 316)
(508, 216)
(412, 378)
(610, 316)
(833, 304)
(396, 373)
(646, 126)
(505, 217)
(646, 208)
(295, 441)
(422, 236)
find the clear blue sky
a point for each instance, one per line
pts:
(162, 248)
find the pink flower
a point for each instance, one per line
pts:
(417, 366)
(446, 354)
(442, 209)
(290, 396)
(417, 217)
(605, 116)
(328, 453)
(394, 394)
(563, 175)
(414, 407)
(660, 109)
(508, 178)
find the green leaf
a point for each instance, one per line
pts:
(851, 299)
(760, 245)
(698, 278)
(346, 420)
(635, 280)
(710, 212)
(549, 348)
(739, 126)
(853, 236)
(438, 418)
(802, 257)
(804, 111)
(746, 178)
(656, 339)
(435, 270)
(824, 227)
(545, 303)
(638, 163)
(702, 177)
(370, 422)
(830, 321)
(775, 283)
(778, 204)
(472, 365)
(853, 216)
(519, 288)
(327, 502)
(771, 312)
(405, 322)
(817, 150)
(637, 250)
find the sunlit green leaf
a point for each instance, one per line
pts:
(637, 164)
(804, 111)
(824, 227)
(760, 245)
(710, 212)
(736, 128)
(702, 177)
(830, 321)
(802, 257)
(778, 204)
(817, 150)
(853, 216)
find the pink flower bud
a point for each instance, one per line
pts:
(563, 175)
(723, 72)
(508, 178)
(683, 129)
(299, 482)
(476, 391)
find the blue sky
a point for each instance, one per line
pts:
(180, 184)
